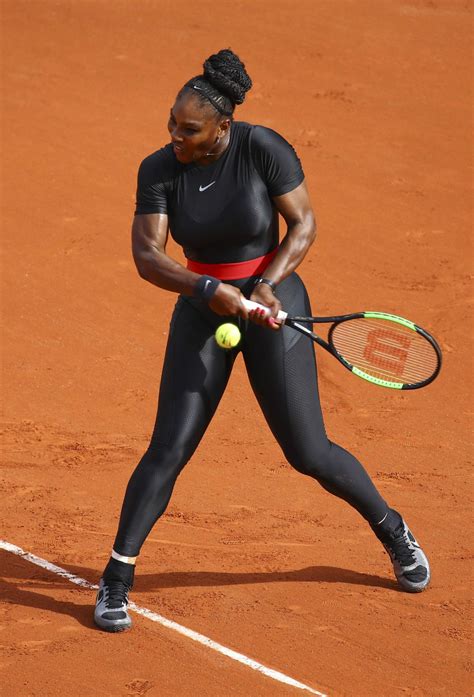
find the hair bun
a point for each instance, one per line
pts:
(226, 72)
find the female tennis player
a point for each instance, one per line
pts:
(219, 186)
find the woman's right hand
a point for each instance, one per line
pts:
(227, 300)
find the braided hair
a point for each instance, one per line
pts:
(223, 83)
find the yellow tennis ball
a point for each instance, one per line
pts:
(227, 335)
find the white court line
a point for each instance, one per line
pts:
(191, 634)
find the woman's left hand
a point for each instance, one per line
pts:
(263, 295)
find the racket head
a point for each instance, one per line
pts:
(386, 350)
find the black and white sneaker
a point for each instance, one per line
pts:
(111, 612)
(410, 563)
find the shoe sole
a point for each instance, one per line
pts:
(409, 587)
(113, 628)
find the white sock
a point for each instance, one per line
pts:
(124, 560)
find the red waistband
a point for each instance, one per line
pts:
(233, 271)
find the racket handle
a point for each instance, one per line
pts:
(250, 305)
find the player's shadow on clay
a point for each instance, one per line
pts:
(27, 585)
(310, 574)
(24, 584)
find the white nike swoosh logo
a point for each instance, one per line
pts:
(205, 285)
(203, 188)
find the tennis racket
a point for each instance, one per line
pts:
(381, 348)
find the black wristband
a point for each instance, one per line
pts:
(270, 283)
(206, 287)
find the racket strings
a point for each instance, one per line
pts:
(385, 349)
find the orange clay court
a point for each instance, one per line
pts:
(375, 96)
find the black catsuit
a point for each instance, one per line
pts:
(222, 213)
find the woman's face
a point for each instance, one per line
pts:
(194, 129)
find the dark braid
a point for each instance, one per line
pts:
(223, 83)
